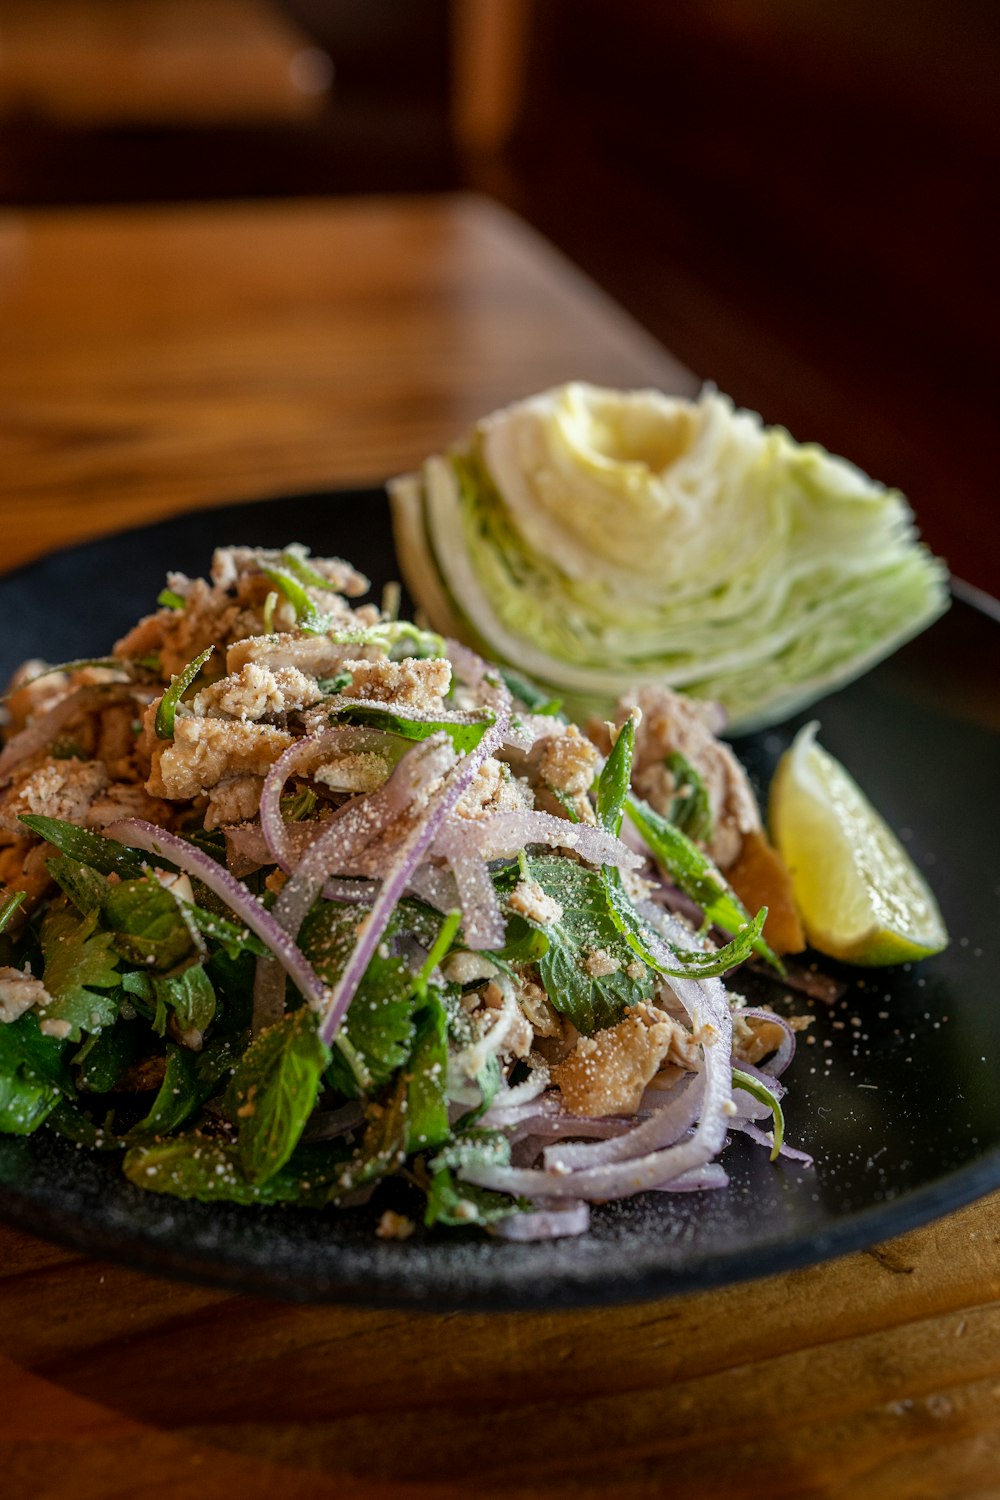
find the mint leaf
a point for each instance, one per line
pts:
(193, 1166)
(426, 1077)
(462, 1206)
(190, 995)
(87, 848)
(379, 1024)
(180, 1094)
(383, 1148)
(587, 927)
(273, 1092)
(686, 963)
(79, 963)
(86, 888)
(148, 924)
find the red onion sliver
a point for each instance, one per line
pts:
(138, 834)
(397, 878)
(505, 834)
(663, 1128)
(786, 1051)
(545, 1223)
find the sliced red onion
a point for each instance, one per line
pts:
(302, 756)
(505, 834)
(434, 886)
(663, 1128)
(545, 1223)
(357, 824)
(470, 667)
(786, 1051)
(700, 1180)
(483, 925)
(396, 878)
(756, 1134)
(707, 1005)
(138, 834)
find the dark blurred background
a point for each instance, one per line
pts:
(795, 198)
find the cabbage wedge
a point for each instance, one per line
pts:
(598, 539)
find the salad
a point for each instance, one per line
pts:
(297, 898)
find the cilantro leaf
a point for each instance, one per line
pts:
(586, 928)
(273, 1092)
(79, 963)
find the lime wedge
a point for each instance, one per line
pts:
(859, 895)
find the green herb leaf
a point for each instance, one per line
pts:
(86, 888)
(273, 1092)
(459, 1205)
(379, 1024)
(383, 1148)
(104, 1058)
(615, 779)
(79, 963)
(307, 617)
(688, 963)
(690, 808)
(233, 940)
(465, 733)
(533, 698)
(148, 924)
(685, 864)
(180, 1094)
(33, 1075)
(427, 1077)
(193, 1166)
(189, 995)
(587, 927)
(9, 904)
(761, 1092)
(167, 710)
(86, 848)
(168, 599)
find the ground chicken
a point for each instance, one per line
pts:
(532, 902)
(358, 771)
(56, 789)
(233, 800)
(313, 655)
(569, 762)
(417, 683)
(672, 722)
(493, 790)
(127, 800)
(204, 752)
(607, 1074)
(256, 690)
(19, 992)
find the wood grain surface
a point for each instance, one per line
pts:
(158, 360)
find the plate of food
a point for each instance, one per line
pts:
(409, 951)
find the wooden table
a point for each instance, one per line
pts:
(157, 360)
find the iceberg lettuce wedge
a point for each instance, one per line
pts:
(598, 539)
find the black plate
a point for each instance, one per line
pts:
(896, 1096)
